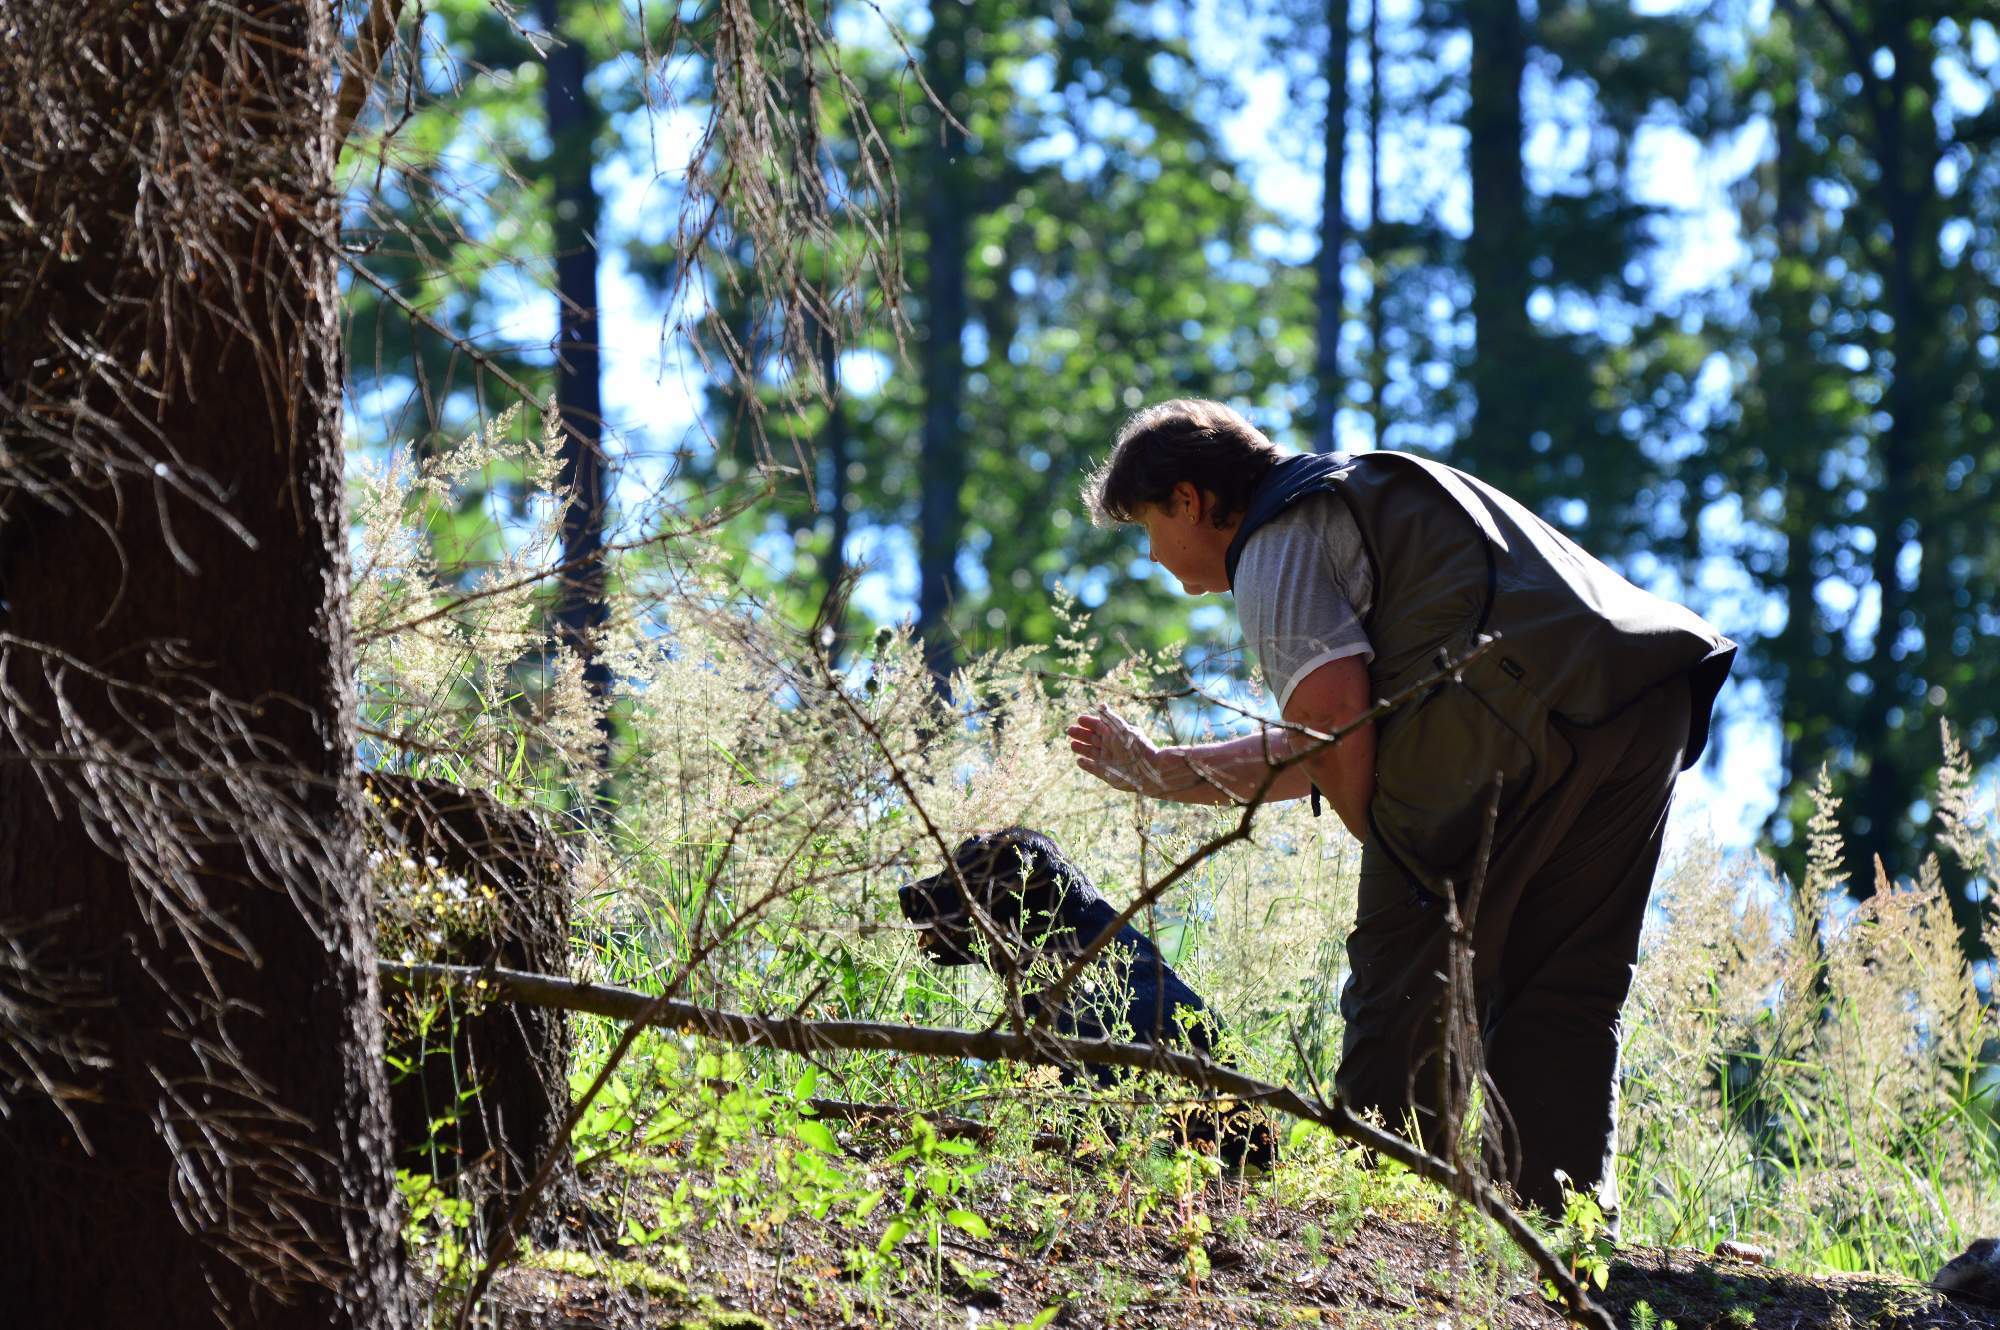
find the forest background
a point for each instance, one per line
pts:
(1710, 286)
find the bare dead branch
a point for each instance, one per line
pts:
(363, 63)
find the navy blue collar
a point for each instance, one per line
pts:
(1283, 485)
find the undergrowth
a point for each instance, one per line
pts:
(1798, 1070)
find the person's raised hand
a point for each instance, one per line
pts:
(1112, 749)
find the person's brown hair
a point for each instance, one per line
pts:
(1206, 443)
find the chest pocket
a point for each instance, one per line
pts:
(1438, 762)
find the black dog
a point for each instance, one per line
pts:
(1036, 906)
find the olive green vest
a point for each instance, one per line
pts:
(1454, 558)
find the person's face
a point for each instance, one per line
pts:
(1182, 539)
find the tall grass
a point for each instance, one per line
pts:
(1810, 1071)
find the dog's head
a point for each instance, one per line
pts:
(1019, 880)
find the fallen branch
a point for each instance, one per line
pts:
(790, 1034)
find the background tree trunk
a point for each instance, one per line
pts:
(1332, 234)
(1378, 355)
(1907, 152)
(573, 124)
(179, 831)
(947, 226)
(1503, 362)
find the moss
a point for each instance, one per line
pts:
(634, 1276)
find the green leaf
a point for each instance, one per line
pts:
(968, 1221)
(898, 1230)
(803, 1088)
(815, 1133)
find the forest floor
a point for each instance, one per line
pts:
(1065, 1245)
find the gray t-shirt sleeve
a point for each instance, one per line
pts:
(1303, 584)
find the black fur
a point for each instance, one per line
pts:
(1041, 910)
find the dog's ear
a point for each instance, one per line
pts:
(992, 865)
(1048, 887)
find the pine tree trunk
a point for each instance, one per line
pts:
(947, 227)
(834, 444)
(572, 119)
(190, 1038)
(1908, 164)
(1332, 233)
(1503, 350)
(1378, 356)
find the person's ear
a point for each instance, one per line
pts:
(1187, 500)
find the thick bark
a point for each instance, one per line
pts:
(179, 826)
(484, 1089)
(1332, 232)
(1503, 357)
(947, 230)
(573, 122)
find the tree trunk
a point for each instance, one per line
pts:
(947, 225)
(833, 442)
(1908, 165)
(1378, 357)
(1332, 233)
(190, 1039)
(1503, 356)
(480, 1091)
(573, 121)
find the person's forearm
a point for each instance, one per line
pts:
(1233, 771)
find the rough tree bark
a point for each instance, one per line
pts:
(195, 1129)
(483, 1089)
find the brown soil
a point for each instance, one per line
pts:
(1268, 1266)
(1693, 1289)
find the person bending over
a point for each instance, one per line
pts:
(1356, 577)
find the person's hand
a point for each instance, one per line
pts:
(1110, 748)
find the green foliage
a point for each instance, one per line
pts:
(1792, 1069)
(436, 1224)
(1857, 441)
(1107, 262)
(1584, 1241)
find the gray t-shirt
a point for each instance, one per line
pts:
(1303, 585)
